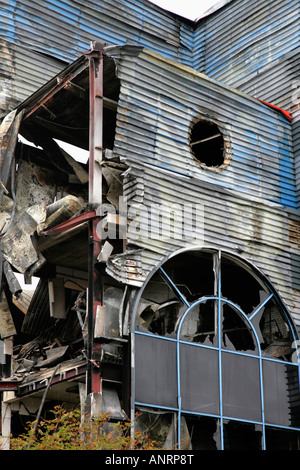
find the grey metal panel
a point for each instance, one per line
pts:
(296, 143)
(250, 34)
(21, 73)
(237, 44)
(63, 28)
(244, 226)
(242, 207)
(39, 38)
(158, 102)
(275, 82)
(246, 37)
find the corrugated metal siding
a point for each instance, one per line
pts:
(238, 216)
(38, 38)
(63, 28)
(160, 99)
(296, 142)
(199, 48)
(243, 44)
(275, 82)
(245, 37)
(21, 73)
(244, 226)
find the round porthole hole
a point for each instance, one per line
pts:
(207, 144)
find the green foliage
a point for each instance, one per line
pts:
(66, 432)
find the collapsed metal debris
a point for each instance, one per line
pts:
(48, 215)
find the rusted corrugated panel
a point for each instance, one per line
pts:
(160, 99)
(245, 37)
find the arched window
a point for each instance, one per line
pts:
(215, 357)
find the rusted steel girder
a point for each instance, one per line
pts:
(95, 199)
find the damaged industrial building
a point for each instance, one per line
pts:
(167, 258)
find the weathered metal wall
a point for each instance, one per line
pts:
(159, 101)
(275, 82)
(296, 135)
(63, 28)
(254, 46)
(242, 205)
(242, 44)
(21, 73)
(38, 38)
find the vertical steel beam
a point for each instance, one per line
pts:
(95, 199)
(96, 124)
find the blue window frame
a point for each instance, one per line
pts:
(215, 348)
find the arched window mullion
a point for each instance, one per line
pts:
(182, 298)
(261, 306)
(174, 288)
(197, 332)
(247, 320)
(220, 358)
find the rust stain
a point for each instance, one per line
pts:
(294, 232)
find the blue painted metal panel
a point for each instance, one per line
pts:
(63, 28)
(161, 99)
(250, 45)
(233, 45)
(234, 42)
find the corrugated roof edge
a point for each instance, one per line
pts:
(138, 49)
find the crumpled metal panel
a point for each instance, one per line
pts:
(31, 193)
(9, 129)
(7, 327)
(16, 244)
(127, 268)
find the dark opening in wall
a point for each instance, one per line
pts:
(207, 144)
